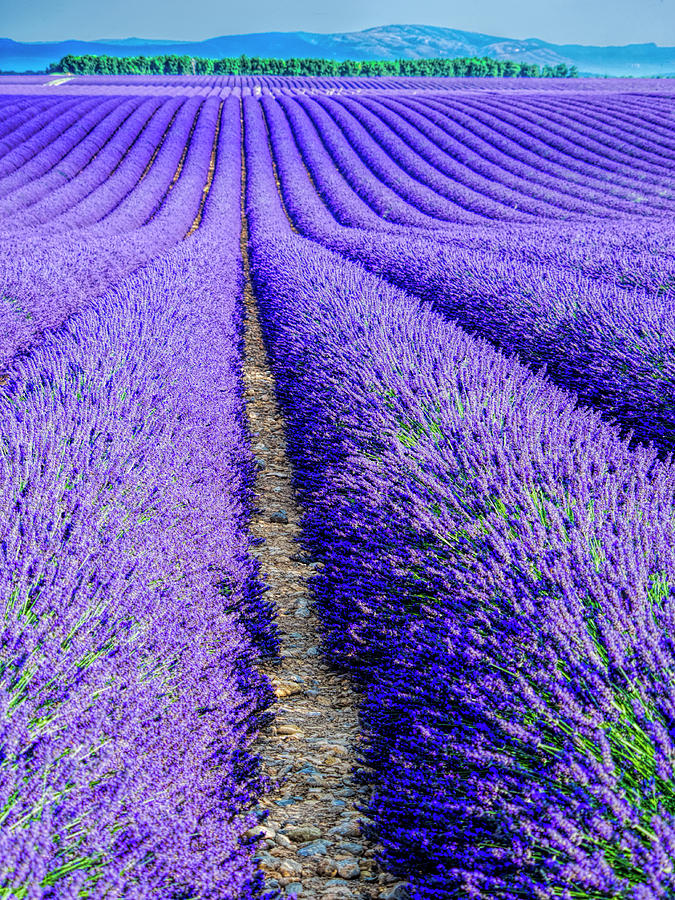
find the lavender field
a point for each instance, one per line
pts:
(466, 289)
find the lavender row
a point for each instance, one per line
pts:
(53, 276)
(384, 199)
(36, 117)
(382, 167)
(135, 408)
(60, 169)
(573, 141)
(649, 137)
(499, 197)
(591, 87)
(422, 176)
(379, 197)
(123, 185)
(15, 114)
(133, 611)
(634, 256)
(649, 114)
(592, 203)
(486, 157)
(509, 615)
(19, 147)
(511, 149)
(610, 344)
(617, 141)
(554, 148)
(613, 346)
(81, 134)
(127, 197)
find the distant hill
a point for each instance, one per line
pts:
(385, 42)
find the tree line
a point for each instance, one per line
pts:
(172, 64)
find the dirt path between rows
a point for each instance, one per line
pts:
(312, 846)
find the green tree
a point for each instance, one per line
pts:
(511, 69)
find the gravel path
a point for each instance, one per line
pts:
(312, 846)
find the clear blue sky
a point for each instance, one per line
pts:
(558, 21)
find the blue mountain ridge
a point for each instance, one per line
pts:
(383, 42)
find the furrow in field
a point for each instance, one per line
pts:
(312, 838)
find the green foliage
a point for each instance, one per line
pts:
(257, 65)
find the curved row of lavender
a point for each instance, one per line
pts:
(133, 612)
(597, 311)
(498, 570)
(133, 193)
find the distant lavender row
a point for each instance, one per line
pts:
(90, 196)
(80, 142)
(130, 218)
(611, 344)
(32, 84)
(640, 254)
(458, 147)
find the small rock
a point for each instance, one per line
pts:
(348, 868)
(300, 833)
(266, 861)
(294, 889)
(285, 689)
(315, 848)
(337, 803)
(291, 730)
(260, 463)
(289, 867)
(281, 517)
(349, 847)
(260, 831)
(326, 867)
(400, 892)
(282, 841)
(302, 613)
(335, 749)
(346, 829)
